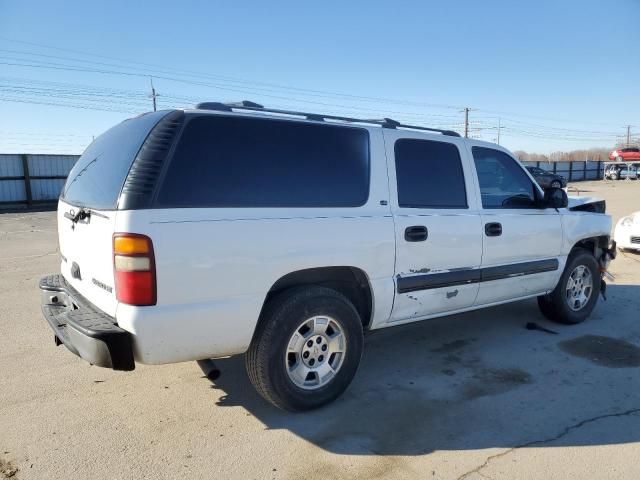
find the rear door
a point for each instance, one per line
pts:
(86, 250)
(94, 185)
(438, 240)
(519, 238)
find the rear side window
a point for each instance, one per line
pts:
(429, 174)
(245, 162)
(99, 174)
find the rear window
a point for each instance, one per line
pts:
(251, 162)
(429, 174)
(99, 174)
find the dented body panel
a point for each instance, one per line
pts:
(579, 225)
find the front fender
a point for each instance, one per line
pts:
(579, 226)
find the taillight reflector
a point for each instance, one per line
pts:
(134, 269)
(131, 264)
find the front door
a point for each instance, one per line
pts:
(520, 239)
(438, 239)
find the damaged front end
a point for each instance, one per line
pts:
(604, 260)
(587, 204)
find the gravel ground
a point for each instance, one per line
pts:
(469, 396)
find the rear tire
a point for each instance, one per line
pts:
(306, 348)
(576, 294)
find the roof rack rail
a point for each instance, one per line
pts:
(256, 107)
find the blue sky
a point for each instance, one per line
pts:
(559, 75)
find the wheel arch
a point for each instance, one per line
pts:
(352, 282)
(595, 244)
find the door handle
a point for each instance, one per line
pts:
(493, 229)
(417, 233)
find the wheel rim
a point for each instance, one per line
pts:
(579, 288)
(555, 183)
(315, 352)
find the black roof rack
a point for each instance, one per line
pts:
(256, 107)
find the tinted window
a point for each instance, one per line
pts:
(503, 183)
(429, 174)
(99, 174)
(246, 162)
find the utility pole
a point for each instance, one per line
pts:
(628, 134)
(466, 122)
(499, 126)
(153, 94)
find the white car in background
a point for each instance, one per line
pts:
(627, 232)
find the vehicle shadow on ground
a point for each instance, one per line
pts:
(471, 381)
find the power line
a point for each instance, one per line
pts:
(345, 107)
(190, 73)
(127, 101)
(287, 88)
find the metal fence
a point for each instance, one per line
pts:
(573, 171)
(27, 179)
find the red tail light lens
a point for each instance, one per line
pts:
(134, 269)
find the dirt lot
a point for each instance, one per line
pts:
(469, 396)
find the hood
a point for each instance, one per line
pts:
(587, 204)
(635, 218)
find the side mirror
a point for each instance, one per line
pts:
(555, 197)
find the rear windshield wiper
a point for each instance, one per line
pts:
(81, 214)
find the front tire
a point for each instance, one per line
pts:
(576, 294)
(306, 348)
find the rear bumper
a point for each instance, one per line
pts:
(82, 328)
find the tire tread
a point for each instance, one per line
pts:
(272, 317)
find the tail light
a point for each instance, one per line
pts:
(134, 269)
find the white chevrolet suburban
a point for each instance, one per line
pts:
(232, 228)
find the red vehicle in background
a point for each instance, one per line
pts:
(628, 154)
